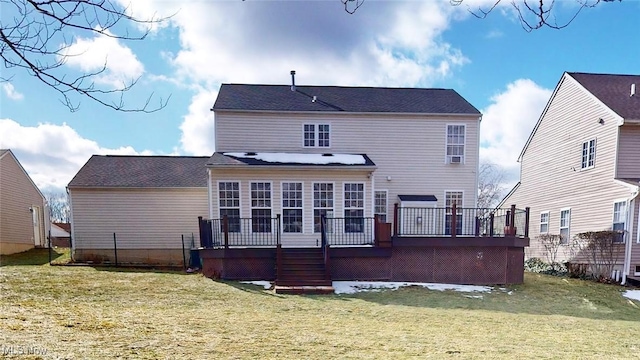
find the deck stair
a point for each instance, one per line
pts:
(302, 272)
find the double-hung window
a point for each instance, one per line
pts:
(619, 220)
(381, 204)
(322, 204)
(353, 207)
(229, 203)
(292, 207)
(453, 197)
(261, 207)
(455, 143)
(565, 222)
(316, 135)
(544, 222)
(588, 154)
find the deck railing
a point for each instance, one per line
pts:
(348, 231)
(234, 231)
(432, 221)
(356, 231)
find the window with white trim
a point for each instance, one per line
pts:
(544, 222)
(619, 220)
(380, 204)
(316, 135)
(565, 222)
(353, 207)
(455, 143)
(229, 204)
(322, 203)
(453, 197)
(261, 207)
(292, 207)
(588, 154)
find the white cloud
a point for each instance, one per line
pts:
(197, 129)
(11, 92)
(52, 154)
(94, 54)
(383, 44)
(508, 122)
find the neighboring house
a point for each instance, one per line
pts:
(580, 168)
(148, 202)
(23, 219)
(307, 151)
(60, 234)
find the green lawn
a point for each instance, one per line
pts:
(100, 313)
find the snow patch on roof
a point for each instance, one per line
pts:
(316, 159)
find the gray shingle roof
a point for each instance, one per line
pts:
(142, 172)
(614, 91)
(337, 98)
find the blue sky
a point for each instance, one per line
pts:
(504, 71)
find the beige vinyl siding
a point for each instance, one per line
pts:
(551, 174)
(633, 237)
(17, 195)
(307, 177)
(629, 152)
(407, 148)
(141, 218)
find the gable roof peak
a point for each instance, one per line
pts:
(616, 91)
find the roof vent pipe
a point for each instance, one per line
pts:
(633, 90)
(293, 80)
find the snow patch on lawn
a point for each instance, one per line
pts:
(351, 287)
(632, 294)
(265, 284)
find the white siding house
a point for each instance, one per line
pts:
(148, 202)
(580, 168)
(24, 222)
(419, 142)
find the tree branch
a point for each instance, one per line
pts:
(38, 37)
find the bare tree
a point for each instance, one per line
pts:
(536, 14)
(490, 185)
(601, 249)
(551, 243)
(533, 14)
(37, 35)
(58, 205)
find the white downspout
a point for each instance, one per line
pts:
(629, 244)
(210, 202)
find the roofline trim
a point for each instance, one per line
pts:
(290, 166)
(470, 115)
(94, 187)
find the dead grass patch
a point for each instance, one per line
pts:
(82, 312)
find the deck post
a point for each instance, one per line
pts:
(115, 249)
(477, 228)
(395, 219)
(512, 221)
(278, 229)
(454, 220)
(491, 221)
(225, 229)
(527, 211)
(278, 261)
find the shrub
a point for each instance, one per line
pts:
(537, 265)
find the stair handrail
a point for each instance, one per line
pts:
(325, 246)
